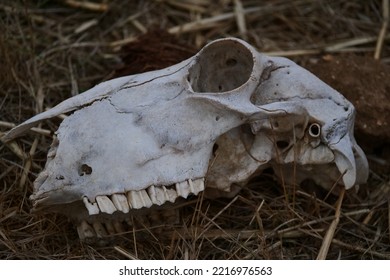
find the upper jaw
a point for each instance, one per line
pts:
(128, 200)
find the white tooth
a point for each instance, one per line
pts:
(196, 186)
(170, 194)
(85, 231)
(156, 195)
(139, 199)
(92, 208)
(105, 204)
(120, 202)
(183, 189)
(100, 230)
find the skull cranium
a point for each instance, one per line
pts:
(147, 139)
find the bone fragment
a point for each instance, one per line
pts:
(85, 231)
(105, 204)
(139, 199)
(92, 208)
(120, 202)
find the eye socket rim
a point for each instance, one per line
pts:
(318, 130)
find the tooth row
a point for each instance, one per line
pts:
(89, 231)
(144, 198)
(161, 195)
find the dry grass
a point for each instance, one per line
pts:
(51, 50)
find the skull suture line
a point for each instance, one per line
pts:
(146, 139)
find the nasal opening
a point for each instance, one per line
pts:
(222, 66)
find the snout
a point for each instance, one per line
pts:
(350, 161)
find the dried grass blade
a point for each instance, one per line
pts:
(382, 32)
(332, 228)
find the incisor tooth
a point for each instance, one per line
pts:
(139, 199)
(92, 208)
(120, 202)
(105, 204)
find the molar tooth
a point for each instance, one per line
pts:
(92, 208)
(170, 194)
(196, 186)
(105, 204)
(183, 189)
(99, 229)
(156, 195)
(85, 231)
(120, 202)
(139, 199)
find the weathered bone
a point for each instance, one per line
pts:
(218, 118)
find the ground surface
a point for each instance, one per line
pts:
(52, 50)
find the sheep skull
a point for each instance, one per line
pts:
(147, 139)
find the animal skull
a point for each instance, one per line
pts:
(147, 139)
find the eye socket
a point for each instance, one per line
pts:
(315, 130)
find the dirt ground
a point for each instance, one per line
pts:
(51, 50)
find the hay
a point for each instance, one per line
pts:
(54, 49)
